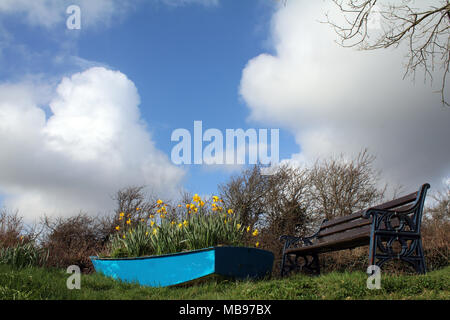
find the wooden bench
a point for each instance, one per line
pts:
(379, 227)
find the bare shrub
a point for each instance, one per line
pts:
(11, 227)
(340, 187)
(70, 241)
(295, 200)
(245, 193)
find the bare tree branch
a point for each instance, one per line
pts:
(427, 33)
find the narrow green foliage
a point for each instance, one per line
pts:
(44, 283)
(22, 255)
(201, 225)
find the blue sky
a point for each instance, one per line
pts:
(70, 100)
(186, 62)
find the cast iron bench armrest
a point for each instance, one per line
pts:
(291, 240)
(372, 212)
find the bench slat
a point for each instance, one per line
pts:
(355, 240)
(387, 205)
(344, 226)
(347, 234)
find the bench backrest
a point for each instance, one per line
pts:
(355, 226)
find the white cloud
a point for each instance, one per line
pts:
(338, 100)
(94, 143)
(49, 13)
(177, 3)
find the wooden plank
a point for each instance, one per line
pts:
(345, 226)
(356, 240)
(340, 220)
(348, 234)
(387, 205)
(398, 202)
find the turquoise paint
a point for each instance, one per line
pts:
(172, 269)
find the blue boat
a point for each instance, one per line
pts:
(173, 269)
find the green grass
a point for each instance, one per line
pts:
(40, 283)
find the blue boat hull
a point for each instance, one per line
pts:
(178, 268)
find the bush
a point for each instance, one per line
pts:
(71, 241)
(11, 227)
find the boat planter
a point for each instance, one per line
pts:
(177, 268)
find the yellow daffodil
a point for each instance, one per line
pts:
(255, 233)
(201, 203)
(159, 201)
(162, 216)
(137, 209)
(152, 223)
(257, 244)
(238, 226)
(120, 218)
(123, 236)
(187, 206)
(185, 223)
(230, 211)
(155, 231)
(215, 198)
(117, 228)
(196, 198)
(173, 222)
(121, 214)
(248, 229)
(128, 221)
(180, 225)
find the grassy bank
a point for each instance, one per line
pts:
(39, 283)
